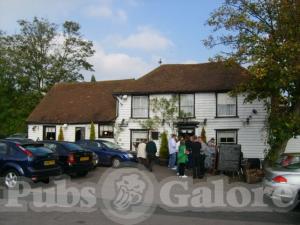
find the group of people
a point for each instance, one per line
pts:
(191, 152)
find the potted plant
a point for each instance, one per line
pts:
(163, 150)
(92, 133)
(60, 134)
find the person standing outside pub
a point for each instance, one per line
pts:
(188, 144)
(141, 152)
(182, 158)
(151, 150)
(172, 152)
(196, 157)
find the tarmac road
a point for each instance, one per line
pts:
(159, 216)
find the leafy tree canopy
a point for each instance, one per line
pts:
(32, 61)
(264, 36)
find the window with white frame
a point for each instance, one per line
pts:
(140, 106)
(226, 105)
(226, 137)
(106, 131)
(187, 105)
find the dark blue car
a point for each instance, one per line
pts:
(109, 153)
(72, 158)
(25, 158)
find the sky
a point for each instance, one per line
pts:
(129, 36)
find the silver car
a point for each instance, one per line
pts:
(282, 182)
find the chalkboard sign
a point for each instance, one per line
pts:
(229, 157)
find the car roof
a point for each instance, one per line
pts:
(21, 141)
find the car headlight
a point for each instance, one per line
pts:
(130, 155)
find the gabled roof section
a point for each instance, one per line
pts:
(181, 78)
(78, 103)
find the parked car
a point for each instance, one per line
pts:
(25, 158)
(73, 159)
(282, 182)
(109, 153)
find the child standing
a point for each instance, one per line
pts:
(182, 158)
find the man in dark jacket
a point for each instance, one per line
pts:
(188, 143)
(151, 153)
(197, 158)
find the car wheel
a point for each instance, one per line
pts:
(290, 207)
(116, 163)
(11, 179)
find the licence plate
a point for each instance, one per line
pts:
(49, 163)
(84, 159)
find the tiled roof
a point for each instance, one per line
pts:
(78, 103)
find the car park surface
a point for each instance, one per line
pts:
(160, 215)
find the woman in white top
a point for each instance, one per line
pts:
(141, 152)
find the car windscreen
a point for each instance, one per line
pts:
(289, 162)
(111, 145)
(73, 147)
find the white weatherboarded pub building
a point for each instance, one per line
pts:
(119, 109)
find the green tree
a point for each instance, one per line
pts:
(92, 133)
(31, 61)
(166, 111)
(164, 150)
(264, 36)
(93, 78)
(60, 134)
(203, 134)
(43, 54)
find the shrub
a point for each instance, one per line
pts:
(164, 150)
(61, 134)
(203, 134)
(92, 133)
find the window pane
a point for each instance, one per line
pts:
(50, 133)
(227, 137)
(106, 131)
(290, 162)
(226, 105)
(187, 105)
(140, 106)
(3, 148)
